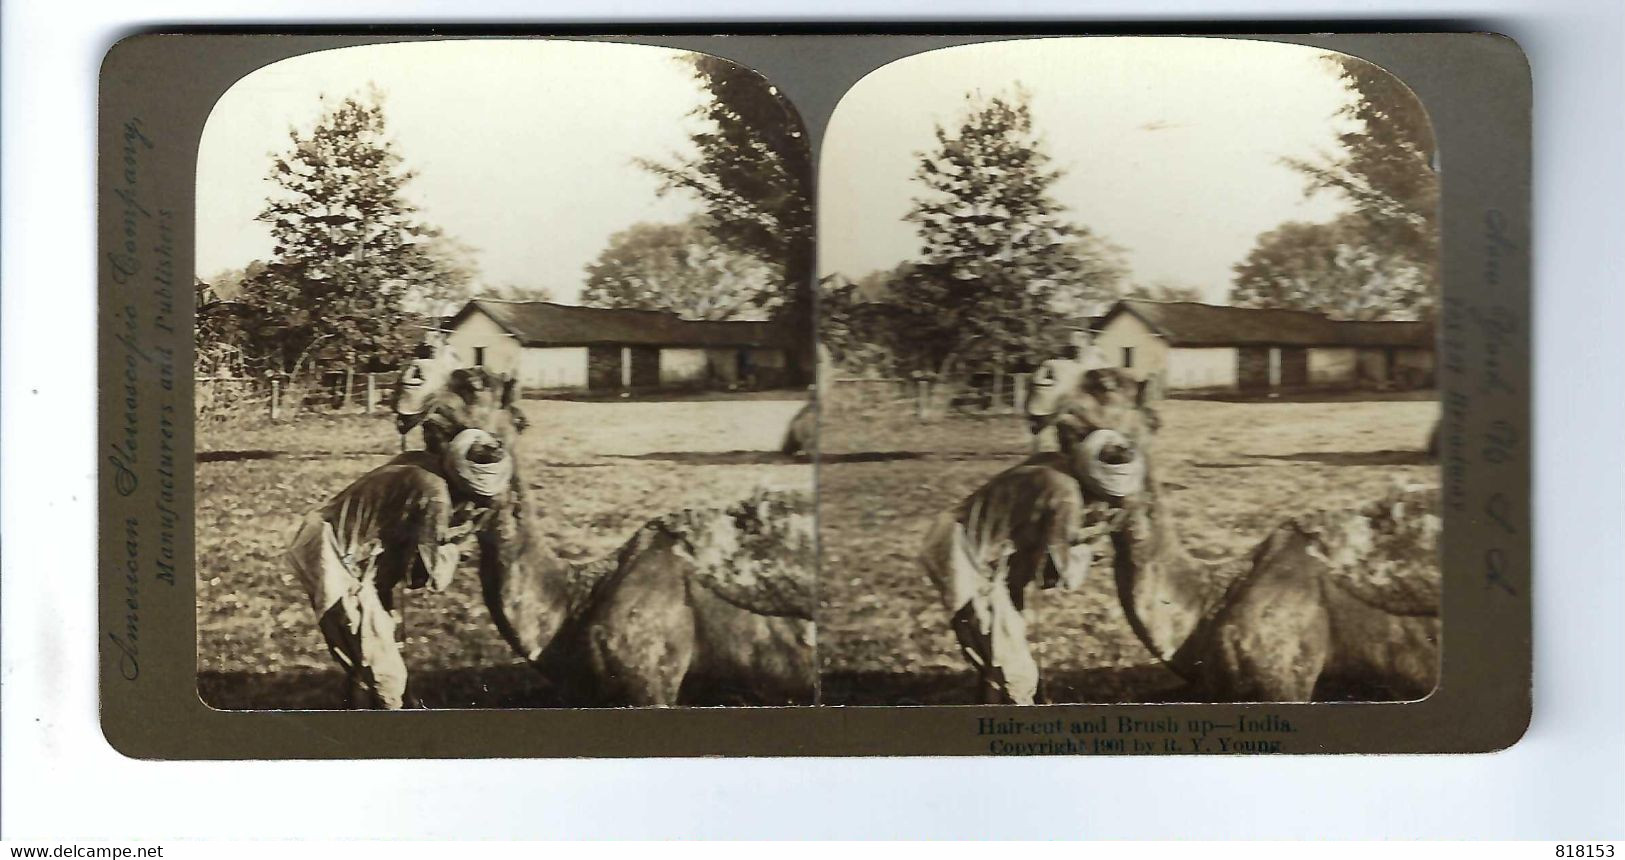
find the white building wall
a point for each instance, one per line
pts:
(1200, 367)
(502, 350)
(1147, 354)
(683, 366)
(553, 367)
(1333, 365)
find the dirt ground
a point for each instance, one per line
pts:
(1234, 470)
(599, 470)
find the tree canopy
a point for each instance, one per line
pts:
(1164, 291)
(752, 172)
(1332, 268)
(682, 268)
(999, 265)
(352, 267)
(1381, 258)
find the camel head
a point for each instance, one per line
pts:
(1105, 429)
(467, 398)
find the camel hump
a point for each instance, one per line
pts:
(756, 554)
(1385, 554)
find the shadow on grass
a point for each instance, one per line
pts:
(716, 458)
(1352, 458)
(870, 457)
(238, 456)
(770, 458)
(890, 456)
(232, 456)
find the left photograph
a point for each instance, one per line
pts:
(504, 382)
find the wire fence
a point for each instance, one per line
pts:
(243, 399)
(928, 397)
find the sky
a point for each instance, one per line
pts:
(523, 149)
(1171, 147)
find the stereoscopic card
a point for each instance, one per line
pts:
(813, 393)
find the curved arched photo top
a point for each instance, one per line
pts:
(525, 162)
(1181, 152)
(1234, 243)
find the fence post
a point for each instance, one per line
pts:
(349, 383)
(996, 403)
(1018, 391)
(922, 397)
(276, 392)
(372, 393)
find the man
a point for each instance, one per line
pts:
(401, 523)
(421, 376)
(1042, 522)
(1054, 381)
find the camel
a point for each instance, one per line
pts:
(1329, 605)
(801, 437)
(698, 606)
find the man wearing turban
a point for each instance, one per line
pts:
(402, 523)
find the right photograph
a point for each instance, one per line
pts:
(1127, 384)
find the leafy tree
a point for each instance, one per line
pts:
(1332, 268)
(996, 256)
(867, 329)
(349, 254)
(521, 293)
(682, 268)
(1384, 166)
(1099, 276)
(449, 275)
(752, 171)
(1164, 291)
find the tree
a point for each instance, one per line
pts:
(1385, 166)
(521, 293)
(1332, 268)
(996, 255)
(1164, 291)
(752, 171)
(868, 327)
(683, 268)
(349, 253)
(449, 276)
(1098, 277)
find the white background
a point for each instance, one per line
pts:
(1566, 779)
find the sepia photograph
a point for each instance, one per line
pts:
(1129, 390)
(504, 382)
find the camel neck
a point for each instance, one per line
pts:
(524, 583)
(1166, 593)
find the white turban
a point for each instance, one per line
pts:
(1112, 479)
(485, 479)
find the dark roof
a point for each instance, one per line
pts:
(549, 324)
(1197, 324)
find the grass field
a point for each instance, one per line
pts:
(1234, 470)
(598, 470)
(601, 469)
